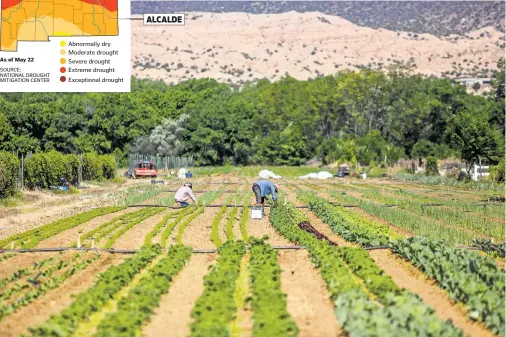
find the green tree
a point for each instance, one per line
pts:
(471, 134)
(423, 149)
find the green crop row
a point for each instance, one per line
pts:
(18, 274)
(44, 286)
(462, 205)
(31, 238)
(119, 225)
(216, 307)
(170, 227)
(467, 276)
(215, 226)
(162, 224)
(65, 323)
(137, 307)
(43, 274)
(270, 317)
(402, 313)
(231, 218)
(403, 219)
(450, 216)
(350, 226)
(112, 239)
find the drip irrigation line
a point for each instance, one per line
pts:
(228, 191)
(212, 206)
(343, 205)
(120, 251)
(377, 247)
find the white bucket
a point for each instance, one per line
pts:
(257, 213)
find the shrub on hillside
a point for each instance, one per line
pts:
(9, 166)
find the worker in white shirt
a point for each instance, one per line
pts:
(184, 195)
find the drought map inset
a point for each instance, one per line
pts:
(37, 20)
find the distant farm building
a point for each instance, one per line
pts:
(469, 82)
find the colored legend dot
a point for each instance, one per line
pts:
(63, 52)
(63, 61)
(63, 43)
(63, 79)
(63, 70)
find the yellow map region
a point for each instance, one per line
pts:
(37, 20)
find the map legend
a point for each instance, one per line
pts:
(88, 52)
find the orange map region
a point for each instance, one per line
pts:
(37, 20)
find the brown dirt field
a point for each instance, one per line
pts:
(55, 300)
(49, 207)
(259, 227)
(307, 297)
(134, 237)
(172, 318)
(198, 233)
(23, 260)
(66, 238)
(407, 276)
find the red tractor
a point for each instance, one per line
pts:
(145, 169)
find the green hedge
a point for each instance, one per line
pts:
(9, 166)
(43, 170)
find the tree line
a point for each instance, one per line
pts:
(366, 116)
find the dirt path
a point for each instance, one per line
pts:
(407, 276)
(259, 227)
(66, 238)
(55, 300)
(308, 301)
(134, 237)
(197, 234)
(172, 318)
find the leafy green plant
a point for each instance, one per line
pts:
(136, 308)
(351, 227)
(270, 317)
(9, 307)
(93, 299)
(355, 310)
(216, 307)
(468, 277)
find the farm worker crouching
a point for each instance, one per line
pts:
(263, 188)
(184, 194)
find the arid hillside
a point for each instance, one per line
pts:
(240, 47)
(440, 18)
